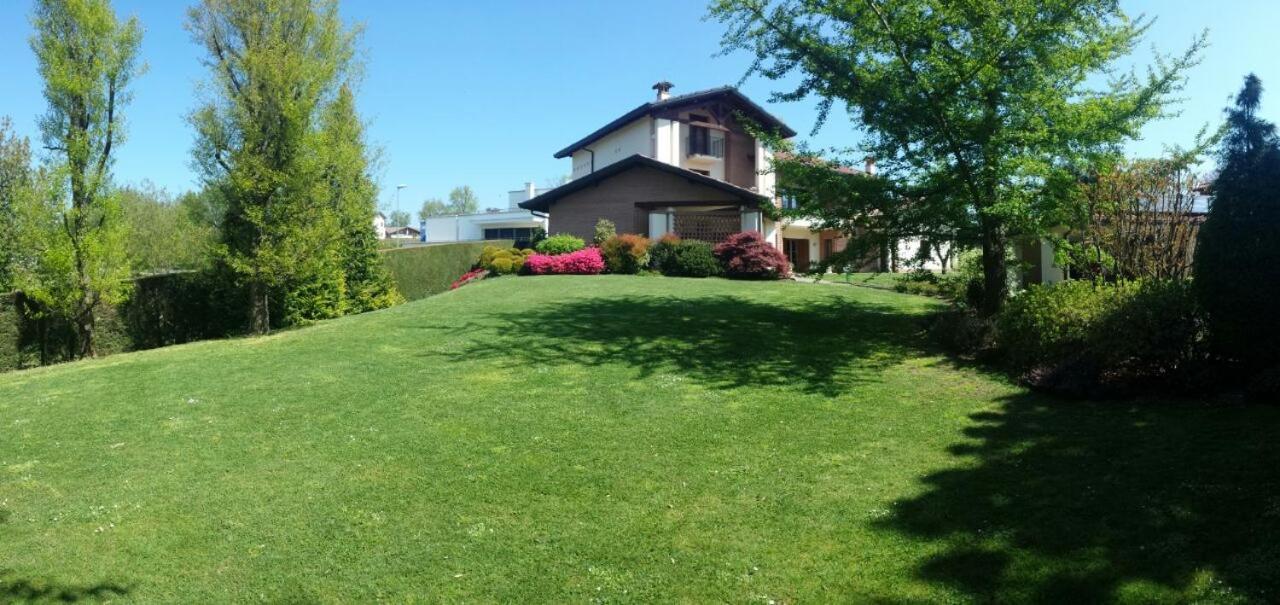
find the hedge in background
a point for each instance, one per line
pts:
(422, 271)
(31, 336)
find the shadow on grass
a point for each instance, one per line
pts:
(820, 346)
(1068, 501)
(23, 590)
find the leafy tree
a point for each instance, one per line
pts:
(432, 207)
(983, 105)
(1237, 261)
(87, 60)
(1135, 220)
(273, 67)
(15, 182)
(164, 236)
(354, 196)
(399, 218)
(462, 200)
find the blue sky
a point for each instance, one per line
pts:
(484, 92)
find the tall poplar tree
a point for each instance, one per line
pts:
(87, 59)
(273, 67)
(980, 106)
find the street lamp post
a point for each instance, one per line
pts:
(398, 188)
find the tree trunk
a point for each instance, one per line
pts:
(260, 311)
(85, 326)
(994, 269)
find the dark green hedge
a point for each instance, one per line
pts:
(163, 310)
(29, 337)
(422, 271)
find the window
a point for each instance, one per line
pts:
(789, 201)
(520, 235)
(699, 140)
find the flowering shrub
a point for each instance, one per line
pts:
(746, 255)
(468, 277)
(626, 253)
(583, 262)
(562, 243)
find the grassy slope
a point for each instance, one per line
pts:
(617, 439)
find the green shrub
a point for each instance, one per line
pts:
(425, 270)
(502, 265)
(625, 254)
(1049, 323)
(674, 257)
(503, 261)
(561, 243)
(605, 229)
(1092, 339)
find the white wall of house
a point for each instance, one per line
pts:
(908, 248)
(380, 225)
(616, 146)
(529, 192)
(470, 227)
(766, 180)
(667, 141)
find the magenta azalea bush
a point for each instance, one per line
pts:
(583, 262)
(747, 255)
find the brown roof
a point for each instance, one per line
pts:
(756, 112)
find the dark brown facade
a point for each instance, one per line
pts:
(626, 199)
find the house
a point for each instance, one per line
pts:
(680, 164)
(513, 223)
(380, 225)
(404, 232)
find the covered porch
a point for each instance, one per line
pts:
(708, 222)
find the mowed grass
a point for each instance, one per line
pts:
(573, 439)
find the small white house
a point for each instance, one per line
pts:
(380, 225)
(513, 223)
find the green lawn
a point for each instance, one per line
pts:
(883, 281)
(573, 439)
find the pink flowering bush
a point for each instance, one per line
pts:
(583, 262)
(747, 255)
(468, 277)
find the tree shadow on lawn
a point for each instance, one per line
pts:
(1067, 501)
(822, 346)
(23, 590)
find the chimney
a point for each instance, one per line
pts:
(870, 166)
(530, 191)
(664, 90)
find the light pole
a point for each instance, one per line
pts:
(398, 188)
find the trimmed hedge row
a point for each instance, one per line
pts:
(163, 310)
(422, 271)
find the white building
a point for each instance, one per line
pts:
(512, 223)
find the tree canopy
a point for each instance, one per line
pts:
(979, 110)
(274, 65)
(75, 234)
